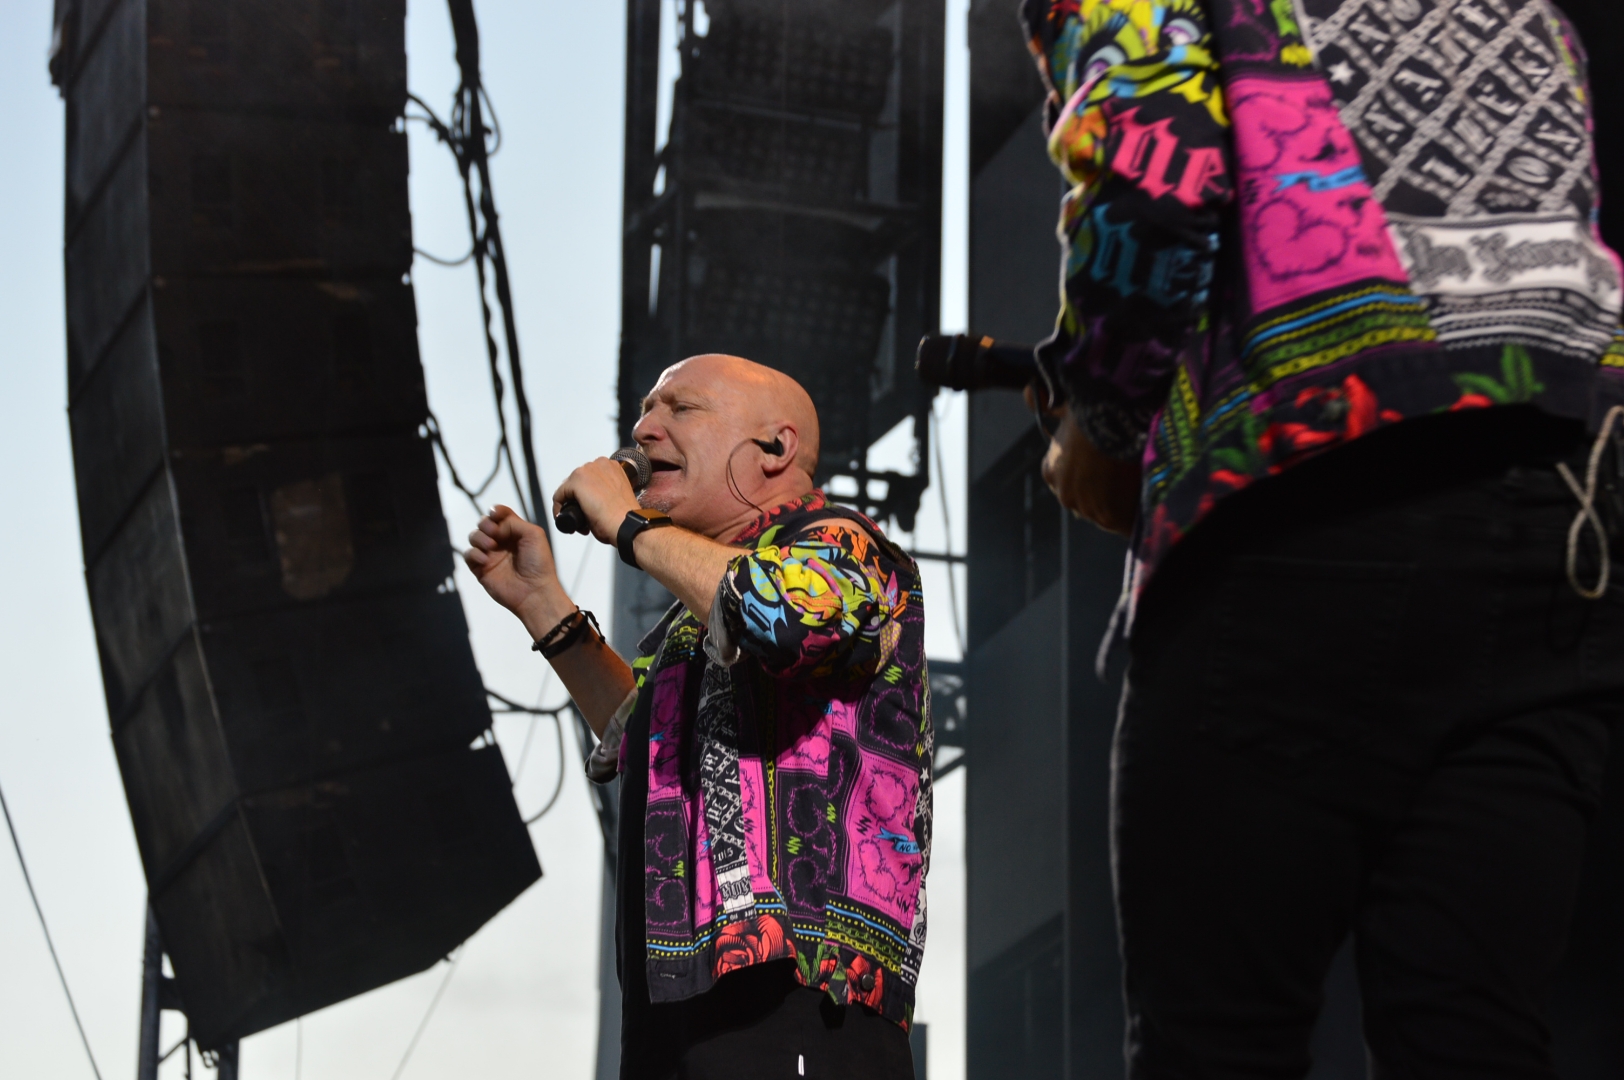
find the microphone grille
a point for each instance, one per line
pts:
(634, 456)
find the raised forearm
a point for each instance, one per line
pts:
(593, 673)
(690, 565)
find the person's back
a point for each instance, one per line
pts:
(1333, 284)
(1297, 221)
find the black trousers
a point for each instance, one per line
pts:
(761, 1024)
(1364, 699)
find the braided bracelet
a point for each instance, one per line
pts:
(570, 629)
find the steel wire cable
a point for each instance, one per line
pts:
(423, 1024)
(16, 845)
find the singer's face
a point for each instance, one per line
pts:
(692, 419)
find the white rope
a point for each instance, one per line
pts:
(1587, 511)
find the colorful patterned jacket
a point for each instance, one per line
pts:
(789, 778)
(1293, 222)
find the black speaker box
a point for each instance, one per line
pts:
(301, 730)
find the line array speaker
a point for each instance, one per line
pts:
(293, 699)
(793, 215)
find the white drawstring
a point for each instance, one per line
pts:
(1587, 511)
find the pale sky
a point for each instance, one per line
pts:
(523, 1000)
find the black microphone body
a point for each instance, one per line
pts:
(972, 362)
(572, 519)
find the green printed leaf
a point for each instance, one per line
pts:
(1518, 368)
(1473, 383)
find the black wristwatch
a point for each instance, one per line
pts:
(636, 521)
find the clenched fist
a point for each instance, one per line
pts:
(513, 561)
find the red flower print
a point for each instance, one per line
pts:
(752, 941)
(1353, 403)
(1289, 438)
(862, 970)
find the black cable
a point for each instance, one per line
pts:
(524, 752)
(733, 485)
(514, 707)
(468, 116)
(471, 144)
(431, 425)
(457, 139)
(167, 1054)
(28, 880)
(443, 262)
(558, 784)
(434, 1004)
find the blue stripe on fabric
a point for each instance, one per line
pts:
(1225, 410)
(1318, 316)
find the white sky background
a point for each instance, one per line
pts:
(523, 1000)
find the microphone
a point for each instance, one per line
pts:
(571, 519)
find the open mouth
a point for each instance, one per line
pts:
(665, 466)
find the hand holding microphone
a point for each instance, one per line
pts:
(572, 519)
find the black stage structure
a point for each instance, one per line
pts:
(1044, 973)
(1042, 983)
(791, 214)
(301, 730)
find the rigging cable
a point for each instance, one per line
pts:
(471, 143)
(456, 140)
(450, 970)
(431, 428)
(17, 846)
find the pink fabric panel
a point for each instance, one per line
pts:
(811, 751)
(842, 718)
(1309, 219)
(753, 795)
(880, 820)
(706, 899)
(665, 715)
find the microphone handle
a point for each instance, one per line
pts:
(572, 519)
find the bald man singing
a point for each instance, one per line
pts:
(772, 737)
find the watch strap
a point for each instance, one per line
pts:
(636, 521)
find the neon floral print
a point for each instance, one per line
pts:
(819, 600)
(789, 792)
(1390, 246)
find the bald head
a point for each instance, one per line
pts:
(728, 438)
(759, 396)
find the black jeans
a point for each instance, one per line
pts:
(761, 1024)
(1364, 699)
